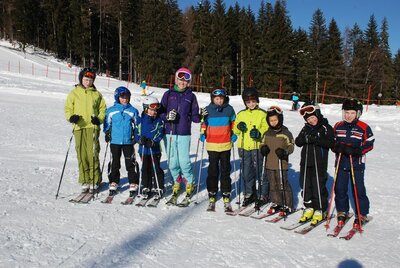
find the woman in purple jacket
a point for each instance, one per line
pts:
(179, 108)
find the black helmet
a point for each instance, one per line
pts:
(250, 93)
(310, 108)
(353, 104)
(88, 72)
(218, 92)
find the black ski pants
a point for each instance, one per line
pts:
(219, 168)
(131, 165)
(148, 179)
(310, 191)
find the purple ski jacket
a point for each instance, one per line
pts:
(185, 103)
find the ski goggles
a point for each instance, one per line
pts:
(154, 106)
(89, 74)
(219, 92)
(276, 109)
(124, 95)
(184, 75)
(307, 110)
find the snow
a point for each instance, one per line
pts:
(40, 231)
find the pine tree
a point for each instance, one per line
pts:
(396, 68)
(387, 74)
(233, 26)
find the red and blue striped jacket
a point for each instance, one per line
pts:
(355, 134)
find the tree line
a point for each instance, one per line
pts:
(233, 46)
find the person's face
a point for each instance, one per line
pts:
(181, 83)
(123, 99)
(87, 82)
(273, 120)
(251, 104)
(218, 100)
(312, 120)
(152, 112)
(350, 115)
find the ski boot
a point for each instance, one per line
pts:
(318, 217)
(157, 193)
(341, 218)
(248, 200)
(94, 189)
(227, 202)
(211, 199)
(175, 192)
(274, 209)
(356, 224)
(190, 190)
(307, 215)
(85, 188)
(284, 211)
(261, 202)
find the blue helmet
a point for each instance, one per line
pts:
(121, 91)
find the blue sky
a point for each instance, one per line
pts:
(345, 12)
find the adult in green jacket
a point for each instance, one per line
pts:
(85, 108)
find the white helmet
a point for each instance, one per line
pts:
(151, 102)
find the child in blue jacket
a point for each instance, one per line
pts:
(120, 128)
(151, 132)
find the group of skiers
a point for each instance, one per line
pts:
(264, 144)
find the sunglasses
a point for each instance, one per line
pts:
(154, 106)
(275, 108)
(184, 75)
(124, 95)
(89, 74)
(219, 92)
(307, 110)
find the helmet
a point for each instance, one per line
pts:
(218, 92)
(353, 104)
(250, 93)
(151, 102)
(310, 108)
(87, 72)
(121, 91)
(183, 73)
(275, 110)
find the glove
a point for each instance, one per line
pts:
(171, 115)
(242, 126)
(142, 140)
(202, 137)
(264, 150)
(281, 153)
(149, 143)
(108, 136)
(339, 148)
(95, 121)
(255, 134)
(311, 139)
(233, 138)
(204, 112)
(354, 151)
(74, 118)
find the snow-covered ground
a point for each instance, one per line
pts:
(40, 231)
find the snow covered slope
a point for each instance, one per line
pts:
(39, 231)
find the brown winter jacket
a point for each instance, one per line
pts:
(274, 139)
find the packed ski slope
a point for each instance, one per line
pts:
(40, 231)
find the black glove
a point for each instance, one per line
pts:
(281, 153)
(142, 140)
(108, 136)
(255, 134)
(95, 121)
(74, 118)
(264, 150)
(149, 143)
(171, 116)
(354, 151)
(311, 139)
(242, 126)
(339, 148)
(204, 112)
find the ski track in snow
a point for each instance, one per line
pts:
(40, 231)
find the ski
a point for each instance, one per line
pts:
(236, 211)
(78, 198)
(247, 213)
(154, 202)
(173, 200)
(353, 230)
(185, 202)
(294, 225)
(280, 217)
(309, 228)
(143, 202)
(110, 197)
(130, 199)
(338, 228)
(228, 208)
(86, 198)
(211, 207)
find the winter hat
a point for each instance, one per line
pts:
(310, 108)
(183, 73)
(218, 92)
(86, 72)
(121, 91)
(275, 110)
(353, 104)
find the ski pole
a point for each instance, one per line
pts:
(282, 185)
(94, 157)
(140, 177)
(305, 176)
(102, 166)
(169, 155)
(155, 172)
(197, 148)
(241, 167)
(317, 175)
(65, 162)
(234, 170)
(332, 192)
(198, 180)
(355, 192)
